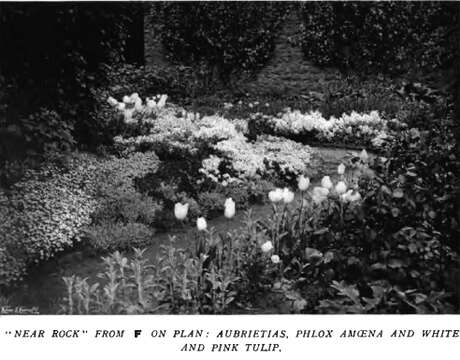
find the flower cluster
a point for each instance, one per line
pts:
(268, 156)
(353, 128)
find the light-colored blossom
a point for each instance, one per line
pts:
(288, 196)
(112, 101)
(230, 208)
(326, 182)
(267, 246)
(201, 224)
(275, 259)
(341, 169)
(121, 106)
(180, 211)
(341, 187)
(363, 155)
(303, 183)
(127, 99)
(276, 195)
(319, 194)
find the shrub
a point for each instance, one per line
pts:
(221, 40)
(47, 211)
(380, 36)
(110, 236)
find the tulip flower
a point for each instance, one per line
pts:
(341, 169)
(319, 194)
(180, 211)
(267, 246)
(275, 259)
(201, 224)
(340, 188)
(229, 211)
(303, 183)
(364, 156)
(349, 196)
(326, 182)
(121, 106)
(288, 196)
(276, 195)
(126, 99)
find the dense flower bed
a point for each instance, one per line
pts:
(364, 130)
(269, 157)
(49, 209)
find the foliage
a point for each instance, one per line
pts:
(210, 277)
(380, 36)
(223, 39)
(49, 209)
(60, 58)
(110, 235)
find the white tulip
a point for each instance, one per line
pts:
(275, 259)
(303, 183)
(134, 97)
(201, 224)
(267, 246)
(346, 196)
(112, 101)
(355, 197)
(121, 106)
(341, 187)
(230, 210)
(126, 99)
(364, 155)
(341, 169)
(276, 195)
(349, 196)
(326, 182)
(319, 194)
(288, 196)
(180, 211)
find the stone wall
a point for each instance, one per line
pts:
(288, 72)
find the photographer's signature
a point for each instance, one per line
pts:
(19, 310)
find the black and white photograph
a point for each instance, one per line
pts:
(229, 158)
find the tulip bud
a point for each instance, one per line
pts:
(230, 210)
(267, 246)
(275, 259)
(201, 224)
(276, 195)
(341, 169)
(121, 106)
(303, 183)
(341, 187)
(326, 182)
(288, 196)
(364, 156)
(180, 211)
(126, 99)
(319, 194)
